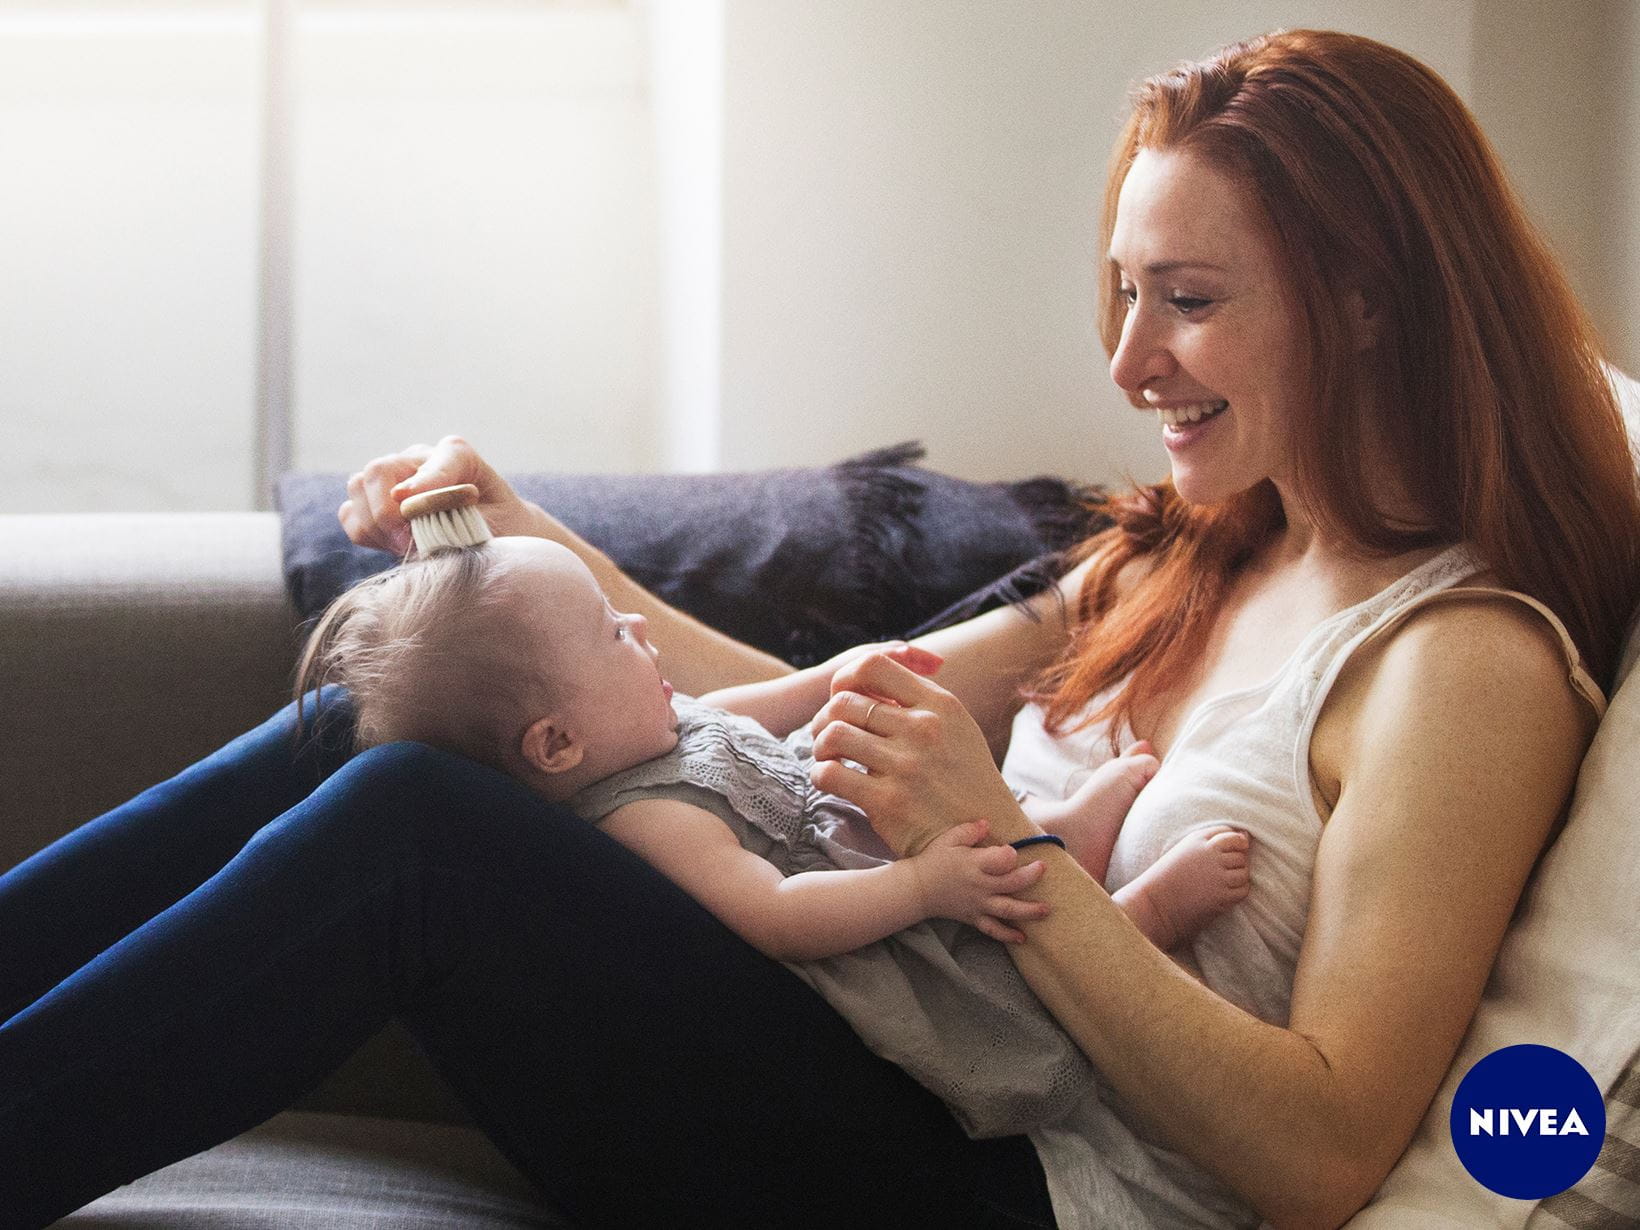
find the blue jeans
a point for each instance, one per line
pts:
(189, 964)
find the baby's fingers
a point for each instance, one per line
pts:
(999, 931)
(969, 834)
(1017, 880)
(1015, 909)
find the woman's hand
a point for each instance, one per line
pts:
(924, 662)
(370, 514)
(928, 767)
(782, 705)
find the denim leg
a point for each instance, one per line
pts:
(97, 884)
(633, 1057)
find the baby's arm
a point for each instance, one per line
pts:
(824, 913)
(781, 705)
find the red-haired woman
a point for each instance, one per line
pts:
(1365, 621)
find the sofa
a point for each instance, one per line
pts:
(131, 645)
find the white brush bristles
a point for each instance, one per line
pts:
(449, 530)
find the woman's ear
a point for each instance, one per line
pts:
(550, 747)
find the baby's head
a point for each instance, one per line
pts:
(508, 653)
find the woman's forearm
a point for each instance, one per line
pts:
(696, 658)
(1259, 1108)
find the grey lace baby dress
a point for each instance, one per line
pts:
(939, 999)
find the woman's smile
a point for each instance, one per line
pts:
(1209, 343)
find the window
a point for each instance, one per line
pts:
(452, 227)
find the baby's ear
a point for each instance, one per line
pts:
(550, 747)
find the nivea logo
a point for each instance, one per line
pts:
(1538, 1119)
(1528, 1121)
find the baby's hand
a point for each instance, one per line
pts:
(959, 879)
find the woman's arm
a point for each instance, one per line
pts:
(1467, 744)
(990, 658)
(824, 913)
(699, 658)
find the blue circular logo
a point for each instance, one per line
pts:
(1528, 1121)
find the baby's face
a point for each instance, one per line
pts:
(606, 682)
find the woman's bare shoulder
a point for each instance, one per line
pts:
(1477, 659)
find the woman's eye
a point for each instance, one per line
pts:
(1129, 295)
(1188, 303)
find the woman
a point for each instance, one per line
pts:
(1383, 410)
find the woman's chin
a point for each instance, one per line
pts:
(1194, 487)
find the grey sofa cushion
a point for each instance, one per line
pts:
(329, 1172)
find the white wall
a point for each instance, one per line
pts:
(475, 243)
(1560, 100)
(1621, 171)
(127, 264)
(903, 242)
(476, 239)
(911, 196)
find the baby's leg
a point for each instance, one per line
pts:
(1091, 817)
(1200, 876)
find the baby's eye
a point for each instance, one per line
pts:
(620, 632)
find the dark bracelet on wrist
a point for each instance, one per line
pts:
(1049, 838)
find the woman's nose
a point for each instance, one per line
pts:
(1142, 354)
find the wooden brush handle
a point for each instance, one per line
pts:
(440, 499)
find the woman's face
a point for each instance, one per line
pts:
(1209, 334)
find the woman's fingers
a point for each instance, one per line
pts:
(876, 715)
(841, 740)
(452, 460)
(869, 794)
(915, 658)
(380, 477)
(879, 675)
(370, 514)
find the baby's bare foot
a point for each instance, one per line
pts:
(1092, 816)
(1200, 876)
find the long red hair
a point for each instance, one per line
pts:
(1486, 391)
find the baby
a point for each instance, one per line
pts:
(511, 654)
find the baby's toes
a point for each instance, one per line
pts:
(1231, 845)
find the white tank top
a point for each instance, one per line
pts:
(1243, 758)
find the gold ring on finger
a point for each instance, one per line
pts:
(866, 724)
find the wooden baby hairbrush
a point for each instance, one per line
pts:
(445, 519)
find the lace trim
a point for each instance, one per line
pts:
(733, 757)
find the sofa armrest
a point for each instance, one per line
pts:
(130, 645)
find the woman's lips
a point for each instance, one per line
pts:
(1179, 437)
